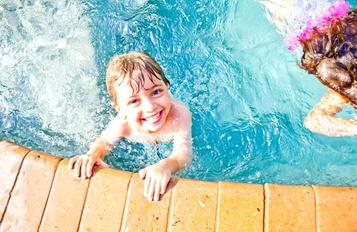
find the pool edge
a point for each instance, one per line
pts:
(113, 200)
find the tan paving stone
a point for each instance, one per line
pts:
(11, 157)
(193, 203)
(193, 206)
(29, 196)
(336, 209)
(142, 215)
(289, 208)
(241, 207)
(105, 201)
(65, 202)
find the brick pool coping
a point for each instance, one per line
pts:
(38, 193)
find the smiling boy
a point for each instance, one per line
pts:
(147, 113)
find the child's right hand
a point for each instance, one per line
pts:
(82, 165)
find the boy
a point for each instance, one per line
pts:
(147, 113)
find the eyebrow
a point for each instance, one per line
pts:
(153, 86)
(133, 96)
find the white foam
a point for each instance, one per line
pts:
(291, 16)
(47, 59)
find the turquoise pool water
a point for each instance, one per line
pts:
(223, 58)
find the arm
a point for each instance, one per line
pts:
(157, 176)
(181, 156)
(99, 148)
(322, 118)
(82, 165)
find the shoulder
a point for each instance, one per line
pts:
(182, 116)
(181, 110)
(118, 127)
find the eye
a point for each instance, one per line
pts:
(133, 102)
(157, 92)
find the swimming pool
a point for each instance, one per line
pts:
(223, 58)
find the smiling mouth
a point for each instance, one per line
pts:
(155, 118)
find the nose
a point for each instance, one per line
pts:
(148, 105)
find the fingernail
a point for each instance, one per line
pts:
(156, 198)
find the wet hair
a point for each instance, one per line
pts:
(331, 55)
(134, 67)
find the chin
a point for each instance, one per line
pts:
(153, 128)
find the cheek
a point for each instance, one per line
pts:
(167, 99)
(133, 114)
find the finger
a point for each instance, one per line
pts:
(142, 173)
(72, 161)
(84, 168)
(157, 190)
(150, 194)
(146, 185)
(77, 167)
(90, 168)
(103, 164)
(164, 183)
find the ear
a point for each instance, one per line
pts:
(333, 75)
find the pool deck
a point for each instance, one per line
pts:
(38, 193)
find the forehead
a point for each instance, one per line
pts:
(130, 86)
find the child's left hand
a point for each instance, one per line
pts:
(156, 176)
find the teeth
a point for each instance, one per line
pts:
(153, 118)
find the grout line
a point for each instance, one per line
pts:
(48, 196)
(170, 211)
(317, 222)
(49, 192)
(84, 203)
(218, 206)
(13, 186)
(125, 213)
(266, 208)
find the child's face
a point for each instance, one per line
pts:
(148, 108)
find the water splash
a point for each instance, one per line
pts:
(48, 74)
